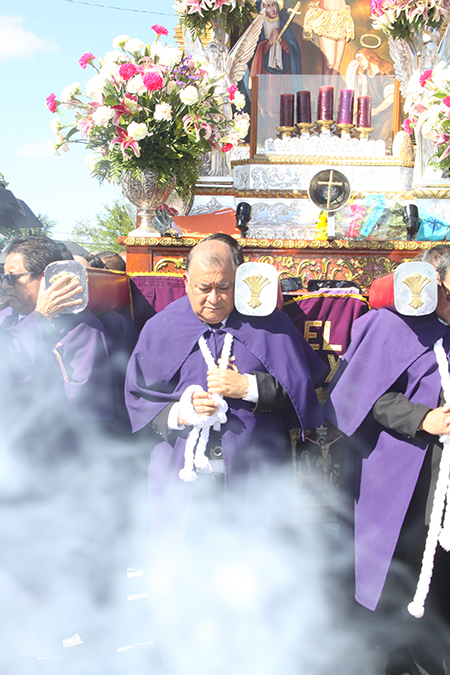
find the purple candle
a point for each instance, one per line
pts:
(304, 107)
(364, 111)
(286, 110)
(325, 103)
(346, 106)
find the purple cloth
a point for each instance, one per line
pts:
(387, 351)
(151, 294)
(65, 362)
(334, 313)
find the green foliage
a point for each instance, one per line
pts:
(110, 224)
(3, 182)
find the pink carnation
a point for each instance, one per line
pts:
(446, 101)
(160, 30)
(51, 103)
(85, 59)
(231, 91)
(407, 126)
(227, 147)
(153, 81)
(128, 70)
(427, 75)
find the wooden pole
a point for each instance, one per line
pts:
(397, 112)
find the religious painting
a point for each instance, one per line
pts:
(324, 42)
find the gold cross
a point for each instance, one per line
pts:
(293, 12)
(330, 184)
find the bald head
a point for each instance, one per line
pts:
(209, 280)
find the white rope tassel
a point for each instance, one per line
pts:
(435, 531)
(201, 424)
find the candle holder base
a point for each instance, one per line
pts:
(364, 132)
(325, 127)
(286, 132)
(345, 129)
(305, 128)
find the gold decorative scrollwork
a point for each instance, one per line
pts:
(178, 263)
(356, 160)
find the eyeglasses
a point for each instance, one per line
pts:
(446, 291)
(12, 278)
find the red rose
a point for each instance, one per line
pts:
(227, 147)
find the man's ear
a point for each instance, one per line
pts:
(185, 279)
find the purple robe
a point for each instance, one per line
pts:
(63, 363)
(387, 351)
(167, 359)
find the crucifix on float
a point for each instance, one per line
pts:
(292, 12)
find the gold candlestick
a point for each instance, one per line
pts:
(305, 128)
(325, 126)
(286, 132)
(364, 132)
(345, 128)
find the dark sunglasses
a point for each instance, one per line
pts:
(446, 291)
(12, 278)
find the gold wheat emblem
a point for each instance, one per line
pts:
(416, 283)
(256, 283)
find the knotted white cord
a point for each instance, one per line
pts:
(195, 457)
(436, 532)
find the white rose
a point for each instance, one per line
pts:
(163, 111)
(94, 88)
(134, 45)
(137, 131)
(136, 85)
(189, 95)
(55, 125)
(70, 91)
(90, 161)
(120, 40)
(167, 56)
(102, 116)
(110, 70)
(239, 100)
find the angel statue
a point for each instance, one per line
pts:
(228, 66)
(426, 50)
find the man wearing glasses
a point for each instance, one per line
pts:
(388, 397)
(53, 359)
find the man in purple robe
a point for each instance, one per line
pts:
(268, 384)
(61, 359)
(387, 397)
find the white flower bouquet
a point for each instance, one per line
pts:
(146, 107)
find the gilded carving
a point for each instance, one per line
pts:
(179, 263)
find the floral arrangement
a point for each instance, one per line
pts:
(399, 17)
(146, 107)
(430, 111)
(196, 14)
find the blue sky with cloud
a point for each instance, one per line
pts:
(40, 45)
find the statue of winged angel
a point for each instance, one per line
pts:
(410, 61)
(228, 66)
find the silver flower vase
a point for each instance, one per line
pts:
(146, 194)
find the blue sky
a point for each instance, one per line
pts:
(40, 45)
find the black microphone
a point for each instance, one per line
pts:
(243, 215)
(411, 220)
